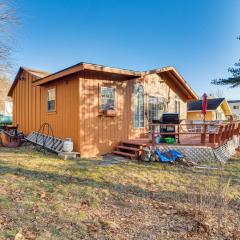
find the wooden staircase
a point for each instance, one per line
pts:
(129, 148)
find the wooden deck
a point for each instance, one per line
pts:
(185, 140)
(199, 136)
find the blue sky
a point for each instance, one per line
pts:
(198, 37)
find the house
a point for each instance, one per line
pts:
(95, 105)
(235, 107)
(217, 109)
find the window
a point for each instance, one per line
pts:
(107, 98)
(156, 107)
(152, 109)
(219, 116)
(51, 100)
(235, 107)
(177, 105)
(138, 106)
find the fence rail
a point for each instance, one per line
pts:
(206, 132)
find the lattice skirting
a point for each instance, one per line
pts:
(206, 154)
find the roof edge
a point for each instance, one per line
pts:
(85, 66)
(220, 103)
(20, 70)
(178, 75)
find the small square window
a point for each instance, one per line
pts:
(51, 100)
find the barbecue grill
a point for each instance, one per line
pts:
(169, 118)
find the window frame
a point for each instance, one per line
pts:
(47, 91)
(105, 111)
(136, 98)
(177, 105)
(158, 101)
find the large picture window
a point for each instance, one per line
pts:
(138, 106)
(51, 100)
(107, 98)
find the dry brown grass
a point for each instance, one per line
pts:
(42, 197)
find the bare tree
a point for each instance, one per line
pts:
(7, 20)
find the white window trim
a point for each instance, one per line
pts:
(55, 109)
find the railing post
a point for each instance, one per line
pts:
(232, 130)
(204, 134)
(153, 134)
(178, 132)
(219, 135)
(225, 133)
(238, 130)
(228, 132)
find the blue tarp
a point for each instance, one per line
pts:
(169, 156)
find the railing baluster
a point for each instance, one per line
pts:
(216, 133)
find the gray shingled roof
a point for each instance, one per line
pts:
(212, 104)
(233, 101)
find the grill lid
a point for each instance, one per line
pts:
(171, 118)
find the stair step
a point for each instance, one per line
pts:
(124, 154)
(138, 144)
(128, 148)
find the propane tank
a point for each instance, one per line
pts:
(68, 145)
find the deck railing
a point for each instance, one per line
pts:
(215, 134)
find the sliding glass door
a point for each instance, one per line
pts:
(156, 107)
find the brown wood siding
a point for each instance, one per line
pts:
(65, 120)
(100, 135)
(30, 107)
(26, 103)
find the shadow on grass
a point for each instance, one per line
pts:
(128, 189)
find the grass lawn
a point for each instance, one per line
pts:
(43, 197)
